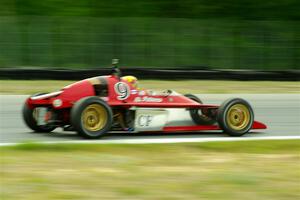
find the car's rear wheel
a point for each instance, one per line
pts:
(235, 117)
(200, 116)
(30, 121)
(91, 117)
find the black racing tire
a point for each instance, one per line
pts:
(29, 120)
(235, 116)
(199, 119)
(91, 117)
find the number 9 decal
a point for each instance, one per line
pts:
(122, 90)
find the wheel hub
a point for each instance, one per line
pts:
(238, 117)
(94, 117)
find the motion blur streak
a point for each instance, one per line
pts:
(167, 33)
(280, 112)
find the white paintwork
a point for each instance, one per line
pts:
(164, 140)
(150, 119)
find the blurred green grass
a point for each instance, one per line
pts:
(183, 86)
(214, 170)
(256, 146)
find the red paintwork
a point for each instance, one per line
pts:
(256, 125)
(172, 101)
(74, 92)
(70, 94)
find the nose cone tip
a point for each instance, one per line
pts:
(259, 125)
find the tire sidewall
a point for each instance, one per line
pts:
(76, 117)
(222, 116)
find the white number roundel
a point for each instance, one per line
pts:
(122, 90)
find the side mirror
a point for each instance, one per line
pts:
(115, 70)
(115, 61)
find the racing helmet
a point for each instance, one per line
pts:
(132, 80)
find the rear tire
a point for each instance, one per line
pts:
(91, 117)
(199, 118)
(235, 116)
(31, 122)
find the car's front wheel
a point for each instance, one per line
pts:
(91, 117)
(235, 117)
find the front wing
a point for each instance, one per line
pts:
(256, 125)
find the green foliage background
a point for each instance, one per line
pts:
(150, 33)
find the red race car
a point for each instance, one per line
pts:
(97, 105)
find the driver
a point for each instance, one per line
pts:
(132, 80)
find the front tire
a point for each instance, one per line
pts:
(91, 117)
(235, 116)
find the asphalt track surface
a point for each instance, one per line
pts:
(280, 112)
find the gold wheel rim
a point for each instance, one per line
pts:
(238, 117)
(94, 117)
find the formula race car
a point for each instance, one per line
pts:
(93, 107)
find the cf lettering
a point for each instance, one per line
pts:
(144, 120)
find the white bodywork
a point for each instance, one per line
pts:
(155, 119)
